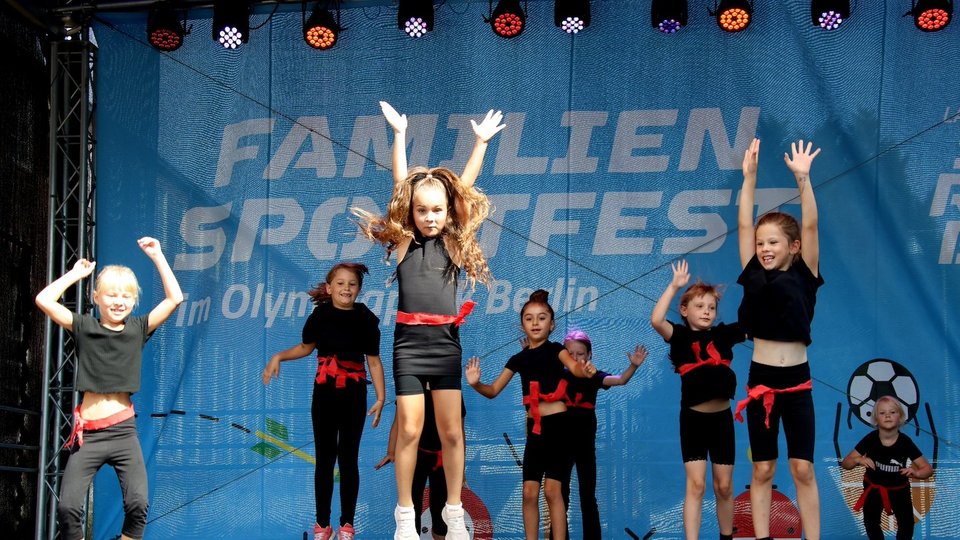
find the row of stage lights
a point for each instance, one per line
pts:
(231, 19)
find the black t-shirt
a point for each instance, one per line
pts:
(778, 304)
(583, 390)
(109, 360)
(889, 459)
(347, 333)
(540, 364)
(706, 382)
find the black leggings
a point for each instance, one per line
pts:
(427, 470)
(338, 417)
(118, 447)
(583, 442)
(902, 506)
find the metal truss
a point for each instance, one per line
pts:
(71, 237)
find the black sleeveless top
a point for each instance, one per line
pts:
(427, 282)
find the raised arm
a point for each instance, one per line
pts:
(636, 358)
(48, 300)
(171, 288)
(799, 162)
(272, 370)
(376, 377)
(584, 370)
(488, 391)
(658, 318)
(399, 124)
(485, 130)
(746, 235)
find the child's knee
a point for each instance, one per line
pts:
(531, 492)
(135, 506)
(723, 488)
(763, 471)
(802, 471)
(696, 486)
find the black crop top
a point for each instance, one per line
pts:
(707, 382)
(778, 304)
(109, 360)
(540, 364)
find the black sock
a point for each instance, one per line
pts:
(726, 536)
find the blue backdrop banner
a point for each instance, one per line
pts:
(621, 154)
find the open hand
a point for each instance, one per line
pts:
(681, 274)
(489, 126)
(801, 158)
(751, 157)
(638, 355)
(375, 412)
(396, 120)
(84, 267)
(473, 371)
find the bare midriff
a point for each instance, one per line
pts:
(779, 353)
(96, 406)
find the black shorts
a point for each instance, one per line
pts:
(794, 408)
(707, 435)
(412, 385)
(548, 454)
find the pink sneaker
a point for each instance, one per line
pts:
(322, 533)
(345, 532)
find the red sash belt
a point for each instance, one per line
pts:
(713, 359)
(767, 393)
(884, 495)
(432, 319)
(339, 370)
(438, 453)
(80, 424)
(535, 397)
(577, 402)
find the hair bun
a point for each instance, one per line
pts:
(540, 295)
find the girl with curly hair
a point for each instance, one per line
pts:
(431, 224)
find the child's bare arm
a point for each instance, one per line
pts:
(48, 300)
(171, 288)
(658, 317)
(746, 235)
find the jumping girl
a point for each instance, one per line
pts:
(109, 350)
(431, 223)
(581, 400)
(342, 331)
(780, 279)
(701, 354)
(547, 456)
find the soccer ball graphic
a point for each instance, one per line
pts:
(882, 377)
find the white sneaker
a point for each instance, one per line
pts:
(406, 519)
(456, 526)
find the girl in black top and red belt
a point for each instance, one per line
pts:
(109, 351)
(542, 375)
(701, 353)
(581, 400)
(780, 278)
(343, 332)
(891, 459)
(431, 222)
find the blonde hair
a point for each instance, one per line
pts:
(459, 234)
(118, 277)
(889, 399)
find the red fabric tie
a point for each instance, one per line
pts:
(339, 370)
(884, 495)
(438, 453)
(768, 394)
(432, 319)
(80, 425)
(713, 359)
(535, 397)
(578, 403)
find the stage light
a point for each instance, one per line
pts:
(508, 20)
(932, 15)
(571, 16)
(415, 17)
(668, 16)
(734, 15)
(231, 22)
(321, 30)
(829, 14)
(164, 29)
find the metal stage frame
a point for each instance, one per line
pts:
(72, 225)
